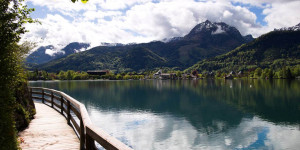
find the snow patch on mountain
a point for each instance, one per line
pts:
(54, 51)
(167, 40)
(80, 50)
(219, 30)
(207, 25)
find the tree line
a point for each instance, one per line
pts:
(286, 72)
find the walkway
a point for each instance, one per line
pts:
(48, 131)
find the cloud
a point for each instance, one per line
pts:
(168, 19)
(158, 131)
(280, 15)
(119, 21)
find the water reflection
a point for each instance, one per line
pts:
(202, 114)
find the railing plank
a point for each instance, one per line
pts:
(76, 112)
(47, 100)
(36, 97)
(47, 94)
(57, 105)
(75, 124)
(56, 97)
(39, 93)
(104, 139)
(62, 105)
(65, 110)
(65, 102)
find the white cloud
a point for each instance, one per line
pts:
(119, 21)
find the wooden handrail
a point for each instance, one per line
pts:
(88, 133)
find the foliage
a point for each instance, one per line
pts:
(83, 1)
(12, 18)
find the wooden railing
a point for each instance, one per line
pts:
(78, 118)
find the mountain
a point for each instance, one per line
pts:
(204, 41)
(41, 56)
(272, 50)
(248, 38)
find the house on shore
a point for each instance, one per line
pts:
(157, 74)
(98, 72)
(230, 76)
(164, 76)
(186, 76)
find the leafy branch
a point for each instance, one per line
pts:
(83, 1)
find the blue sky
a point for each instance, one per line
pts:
(120, 21)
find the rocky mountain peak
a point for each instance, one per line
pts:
(248, 38)
(213, 28)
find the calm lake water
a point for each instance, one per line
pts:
(203, 114)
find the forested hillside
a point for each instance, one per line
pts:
(272, 50)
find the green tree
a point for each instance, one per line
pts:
(13, 16)
(257, 72)
(45, 75)
(289, 74)
(178, 74)
(70, 74)
(62, 75)
(270, 74)
(283, 72)
(83, 1)
(119, 77)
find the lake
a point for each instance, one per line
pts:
(196, 114)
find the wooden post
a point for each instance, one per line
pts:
(90, 143)
(30, 93)
(52, 96)
(68, 112)
(62, 105)
(43, 98)
(82, 136)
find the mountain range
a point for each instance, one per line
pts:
(205, 40)
(41, 56)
